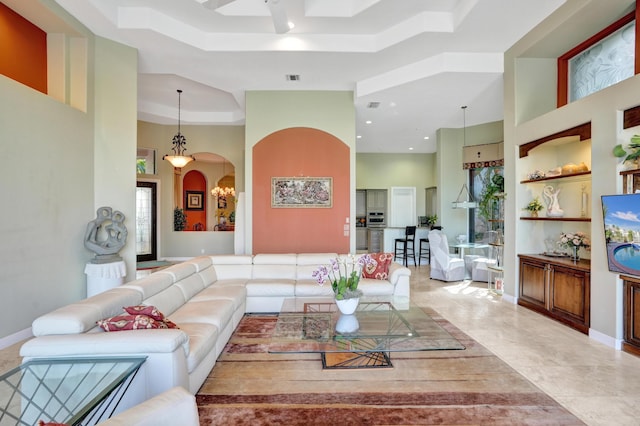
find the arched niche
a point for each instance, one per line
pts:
(217, 213)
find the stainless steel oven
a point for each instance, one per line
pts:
(376, 220)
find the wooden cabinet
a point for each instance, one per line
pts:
(361, 203)
(361, 239)
(630, 181)
(377, 200)
(631, 324)
(558, 288)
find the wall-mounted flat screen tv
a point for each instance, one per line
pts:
(621, 215)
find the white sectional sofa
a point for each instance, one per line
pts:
(206, 297)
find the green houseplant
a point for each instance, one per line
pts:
(432, 220)
(534, 206)
(634, 147)
(493, 188)
(179, 219)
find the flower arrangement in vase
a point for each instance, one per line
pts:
(534, 207)
(574, 241)
(344, 275)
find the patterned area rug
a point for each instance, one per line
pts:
(249, 386)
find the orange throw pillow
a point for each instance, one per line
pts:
(379, 267)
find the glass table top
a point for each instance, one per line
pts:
(378, 325)
(63, 390)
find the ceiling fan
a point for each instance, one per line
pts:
(276, 9)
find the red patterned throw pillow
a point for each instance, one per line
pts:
(379, 266)
(137, 318)
(150, 311)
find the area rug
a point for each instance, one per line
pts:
(249, 386)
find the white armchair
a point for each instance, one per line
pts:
(444, 266)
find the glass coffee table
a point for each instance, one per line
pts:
(362, 340)
(73, 391)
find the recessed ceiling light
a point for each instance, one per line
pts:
(368, 122)
(359, 137)
(426, 137)
(410, 148)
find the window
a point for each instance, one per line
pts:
(599, 62)
(604, 64)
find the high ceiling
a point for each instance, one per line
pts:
(419, 60)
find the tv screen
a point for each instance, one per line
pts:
(621, 215)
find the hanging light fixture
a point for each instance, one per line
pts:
(178, 159)
(465, 199)
(219, 191)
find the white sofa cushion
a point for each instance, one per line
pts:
(167, 301)
(173, 407)
(202, 340)
(233, 266)
(373, 287)
(190, 286)
(276, 287)
(201, 262)
(81, 316)
(208, 276)
(151, 284)
(218, 312)
(274, 266)
(311, 288)
(179, 271)
(236, 294)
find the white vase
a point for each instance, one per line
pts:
(348, 306)
(347, 324)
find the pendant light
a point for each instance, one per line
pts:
(219, 191)
(178, 159)
(465, 199)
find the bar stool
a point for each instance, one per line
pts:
(423, 252)
(402, 246)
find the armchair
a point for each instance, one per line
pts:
(444, 266)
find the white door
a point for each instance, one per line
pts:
(403, 206)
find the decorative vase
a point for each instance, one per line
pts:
(347, 324)
(534, 213)
(348, 306)
(575, 256)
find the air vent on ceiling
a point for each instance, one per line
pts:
(373, 104)
(292, 77)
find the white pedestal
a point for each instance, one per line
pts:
(104, 276)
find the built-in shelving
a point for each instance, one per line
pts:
(572, 176)
(558, 219)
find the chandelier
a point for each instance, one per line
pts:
(178, 159)
(465, 199)
(219, 191)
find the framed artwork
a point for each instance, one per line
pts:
(301, 192)
(194, 200)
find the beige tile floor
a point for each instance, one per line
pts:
(598, 384)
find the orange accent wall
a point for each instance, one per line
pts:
(23, 50)
(195, 181)
(300, 152)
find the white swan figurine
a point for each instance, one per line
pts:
(551, 196)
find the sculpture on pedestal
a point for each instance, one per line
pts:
(106, 235)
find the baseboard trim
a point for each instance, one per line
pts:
(12, 339)
(605, 339)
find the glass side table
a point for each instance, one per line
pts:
(75, 391)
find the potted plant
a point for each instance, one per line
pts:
(493, 189)
(179, 219)
(534, 207)
(634, 146)
(432, 220)
(344, 275)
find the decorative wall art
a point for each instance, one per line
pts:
(194, 200)
(301, 192)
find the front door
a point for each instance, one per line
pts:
(146, 224)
